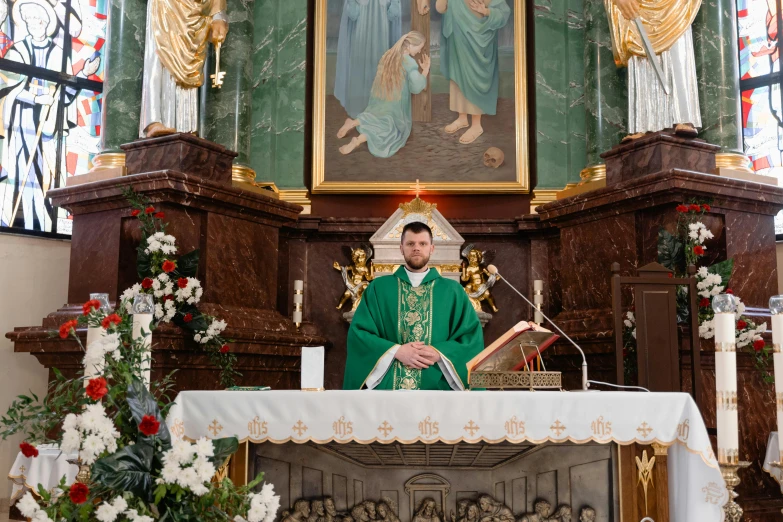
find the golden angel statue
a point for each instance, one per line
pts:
(476, 278)
(174, 54)
(356, 276)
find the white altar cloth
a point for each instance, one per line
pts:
(697, 490)
(46, 469)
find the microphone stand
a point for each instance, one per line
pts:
(585, 383)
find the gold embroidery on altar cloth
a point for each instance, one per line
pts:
(414, 323)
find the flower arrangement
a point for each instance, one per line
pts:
(174, 287)
(676, 252)
(130, 467)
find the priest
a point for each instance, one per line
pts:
(413, 330)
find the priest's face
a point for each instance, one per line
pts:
(416, 249)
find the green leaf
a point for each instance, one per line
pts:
(670, 251)
(723, 269)
(187, 265)
(143, 263)
(127, 470)
(224, 448)
(142, 403)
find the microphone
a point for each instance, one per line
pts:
(492, 269)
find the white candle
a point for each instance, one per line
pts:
(298, 298)
(726, 387)
(141, 328)
(538, 285)
(94, 333)
(298, 284)
(298, 316)
(777, 357)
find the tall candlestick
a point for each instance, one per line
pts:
(776, 309)
(298, 300)
(538, 300)
(142, 320)
(724, 306)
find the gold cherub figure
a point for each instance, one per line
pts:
(476, 279)
(356, 276)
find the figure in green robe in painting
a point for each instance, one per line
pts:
(385, 124)
(413, 330)
(469, 59)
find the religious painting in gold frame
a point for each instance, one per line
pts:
(454, 129)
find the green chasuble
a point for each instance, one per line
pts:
(392, 313)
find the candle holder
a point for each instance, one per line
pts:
(779, 466)
(84, 473)
(731, 509)
(298, 300)
(104, 300)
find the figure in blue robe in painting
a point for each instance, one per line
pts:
(29, 109)
(368, 29)
(386, 123)
(469, 59)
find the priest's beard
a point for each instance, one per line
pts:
(417, 263)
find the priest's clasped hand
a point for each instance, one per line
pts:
(417, 355)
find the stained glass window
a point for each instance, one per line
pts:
(760, 80)
(51, 74)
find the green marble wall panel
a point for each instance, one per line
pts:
(279, 57)
(228, 109)
(124, 73)
(717, 70)
(559, 73)
(605, 88)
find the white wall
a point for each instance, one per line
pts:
(33, 283)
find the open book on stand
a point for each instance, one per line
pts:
(514, 350)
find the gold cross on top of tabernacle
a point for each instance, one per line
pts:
(418, 188)
(215, 428)
(300, 427)
(471, 427)
(385, 428)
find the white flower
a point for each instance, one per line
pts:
(702, 272)
(119, 504)
(204, 447)
(693, 234)
(158, 235)
(628, 323)
(71, 422)
(106, 512)
(41, 516)
(158, 311)
(633, 333)
(71, 441)
(27, 505)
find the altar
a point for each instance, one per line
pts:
(523, 450)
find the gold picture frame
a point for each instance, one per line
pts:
(322, 185)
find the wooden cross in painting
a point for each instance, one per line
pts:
(421, 104)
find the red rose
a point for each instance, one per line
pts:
(168, 297)
(705, 302)
(169, 266)
(698, 250)
(89, 305)
(670, 275)
(187, 318)
(149, 425)
(111, 319)
(28, 450)
(160, 215)
(706, 208)
(758, 345)
(96, 388)
(224, 348)
(146, 283)
(78, 493)
(741, 325)
(135, 212)
(182, 282)
(729, 291)
(65, 328)
(149, 210)
(682, 209)
(694, 208)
